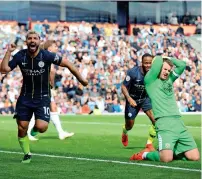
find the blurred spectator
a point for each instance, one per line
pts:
(197, 105)
(85, 109)
(149, 22)
(76, 108)
(116, 106)
(180, 30)
(191, 107)
(187, 18)
(95, 30)
(198, 24)
(173, 19)
(46, 25)
(136, 30)
(38, 27)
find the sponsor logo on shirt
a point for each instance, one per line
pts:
(30, 72)
(139, 87)
(23, 64)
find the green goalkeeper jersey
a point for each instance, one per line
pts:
(160, 91)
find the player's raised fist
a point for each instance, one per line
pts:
(11, 47)
(85, 83)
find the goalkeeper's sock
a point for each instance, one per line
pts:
(124, 129)
(152, 135)
(152, 156)
(24, 144)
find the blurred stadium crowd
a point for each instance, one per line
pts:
(102, 55)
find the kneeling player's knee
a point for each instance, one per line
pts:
(166, 156)
(166, 159)
(194, 158)
(193, 155)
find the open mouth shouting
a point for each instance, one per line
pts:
(165, 75)
(32, 47)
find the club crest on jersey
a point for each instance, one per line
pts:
(167, 88)
(127, 78)
(41, 64)
(167, 145)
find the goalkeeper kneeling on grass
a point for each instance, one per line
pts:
(173, 137)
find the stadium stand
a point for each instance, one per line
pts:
(103, 54)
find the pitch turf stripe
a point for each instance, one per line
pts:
(106, 161)
(116, 124)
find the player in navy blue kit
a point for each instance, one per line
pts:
(51, 46)
(35, 65)
(136, 98)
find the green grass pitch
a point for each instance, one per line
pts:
(95, 151)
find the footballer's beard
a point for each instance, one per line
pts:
(32, 48)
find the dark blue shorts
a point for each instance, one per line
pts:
(26, 106)
(131, 112)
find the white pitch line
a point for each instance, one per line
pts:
(116, 124)
(111, 124)
(106, 161)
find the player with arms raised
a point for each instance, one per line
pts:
(51, 46)
(35, 65)
(174, 139)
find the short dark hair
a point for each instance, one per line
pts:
(169, 62)
(32, 32)
(146, 55)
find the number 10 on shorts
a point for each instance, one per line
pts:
(46, 110)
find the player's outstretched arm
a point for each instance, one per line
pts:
(74, 71)
(4, 68)
(153, 73)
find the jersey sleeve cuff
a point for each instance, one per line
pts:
(175, 74)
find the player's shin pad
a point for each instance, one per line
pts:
(24, 144)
